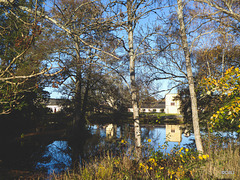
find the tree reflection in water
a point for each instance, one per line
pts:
(61, 155)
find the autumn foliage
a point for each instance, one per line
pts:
(226, 89)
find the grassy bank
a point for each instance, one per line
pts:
(218, 162)
(126, 117)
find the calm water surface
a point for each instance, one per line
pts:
(50, 153)
(59, 154)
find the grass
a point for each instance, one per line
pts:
(182, 163)
(126, 117)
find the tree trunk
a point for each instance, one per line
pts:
(195, 118)
(79, 121)
(133, 81)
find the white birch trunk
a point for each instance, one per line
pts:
(133, 81)
(185, 47)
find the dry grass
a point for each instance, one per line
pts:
(181, 164)
(224, 162)
(104, 168)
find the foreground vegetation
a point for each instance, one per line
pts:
(221, 161)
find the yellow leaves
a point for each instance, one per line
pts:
(181, 149)
(152, 160)
(203, 157)
(223, 84)
(141, 166)
(164, 146)
(227, 89)
(123, 141)
(161, 168)
(229, 70)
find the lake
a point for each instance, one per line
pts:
(55, 153)
(59, 154)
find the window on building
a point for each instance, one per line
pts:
(172, 103)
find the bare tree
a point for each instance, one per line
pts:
(228, 7)
(85, 47)
(129, 13)
(190, 77)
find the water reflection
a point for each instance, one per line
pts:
(61, 155)
(174, 133)
(58, 152)
(111, 130)
(56, 157)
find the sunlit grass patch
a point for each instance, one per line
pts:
(179, 163)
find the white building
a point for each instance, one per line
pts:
(171, 105)
(55, 105)
(155, 107)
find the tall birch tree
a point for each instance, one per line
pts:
(132, 59)
(190, 78)
(129, 14)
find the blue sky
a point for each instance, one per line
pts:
(150, 19)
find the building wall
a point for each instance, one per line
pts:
(171, 106)
(54, 108)
(147, 110)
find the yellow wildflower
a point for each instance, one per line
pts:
(205, 156)
(200, 157)
(149, 140)
(186, 149)
(180, 149)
